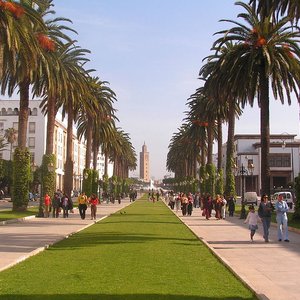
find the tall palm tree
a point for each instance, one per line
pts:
(11, 135)
(265, 54)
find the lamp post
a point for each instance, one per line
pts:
(242, 171)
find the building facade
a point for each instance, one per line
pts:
(36, 141)
(144, 164)
(283, 160)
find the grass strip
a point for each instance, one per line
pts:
(6, 215)
(141, 252)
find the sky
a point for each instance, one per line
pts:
(151, 51)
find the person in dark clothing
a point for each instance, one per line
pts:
(56, 205)
(264, 212)
(231, 206)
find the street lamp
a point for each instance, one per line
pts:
(242, 171)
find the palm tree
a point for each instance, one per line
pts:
(11, 137)
(265, 53)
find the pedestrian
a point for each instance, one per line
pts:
(177, 202)
(56, 205)
(218, 203)
(47, 205)
(281, 208)
(190, 204)
(264, 212)
(93, 201)
(252, 219)
(231, 206)
(66, 205)
(223, 207)
(184, 204)
(82, 205)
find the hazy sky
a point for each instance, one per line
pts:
(151, 52)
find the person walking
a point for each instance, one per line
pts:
(66, 205)
(281, 208)
(93, 201)
(252, 219)
(264, 212)
(56, 205)
(231, 206)
(223, 214)
(47, 204)
(190, 204)
(82, 205)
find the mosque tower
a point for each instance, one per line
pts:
(144, 164)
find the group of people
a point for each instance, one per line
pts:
(62, 202)
(186, 202)
(264, 215)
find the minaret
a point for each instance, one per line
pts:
(144, 164)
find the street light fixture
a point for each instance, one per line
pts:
(242, 171)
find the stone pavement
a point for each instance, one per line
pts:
(271, 270)
(21, 240)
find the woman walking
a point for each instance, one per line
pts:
(93, 201)
(264, 212)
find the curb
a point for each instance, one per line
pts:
(20, 220)
(221, 259)
(41, 249)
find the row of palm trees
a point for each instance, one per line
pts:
(38, 56)
(260, 53)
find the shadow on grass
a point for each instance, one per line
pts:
(116, 297)
(107, 238)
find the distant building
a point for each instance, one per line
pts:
(36, 141)
(283, 161)
(144, 164)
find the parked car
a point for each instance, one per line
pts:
(287, 196)
(250, 198)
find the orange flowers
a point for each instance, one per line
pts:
(45, 42)
(200, 123)
(261, 42)
(12, 7)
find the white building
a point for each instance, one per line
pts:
(283, 160)
(36, 140)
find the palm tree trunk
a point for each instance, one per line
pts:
(50, 124)
(220, 143)
(264, 132)
(230, 183)
(210, 141)
(95, 156)
(89, 137)
(1, 59)
(68, 178)
(23, 114)
(105, 163)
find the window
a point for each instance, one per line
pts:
(1, 128)
(280, 160)
(31, 127)
(16, 126)
(34, 112)
(31, 142)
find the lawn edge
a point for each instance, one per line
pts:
(221, 259)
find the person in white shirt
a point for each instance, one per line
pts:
(282, 208)
(252, 219)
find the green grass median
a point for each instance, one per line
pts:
(6, 215)
(141, 252)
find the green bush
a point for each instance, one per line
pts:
(95, 182)
(48, 175)
(21, 179)
(87, 183)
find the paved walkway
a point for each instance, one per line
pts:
(23, 239)
(272, 269)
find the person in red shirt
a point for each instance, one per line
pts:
(93, 201)
(47, 203)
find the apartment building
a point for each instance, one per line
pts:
(36, 140)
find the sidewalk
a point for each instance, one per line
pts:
(23, 239)
(272, 269)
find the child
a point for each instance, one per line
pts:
(252, 219)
